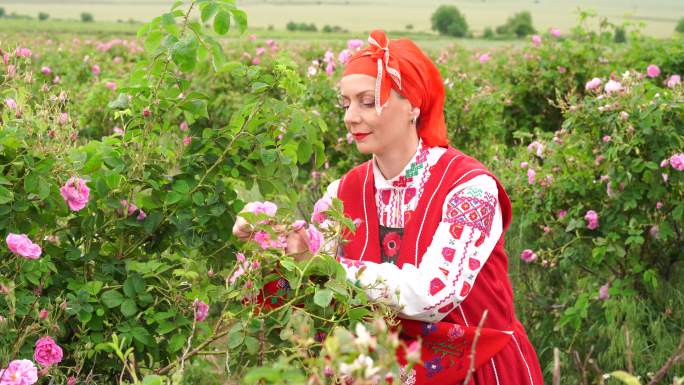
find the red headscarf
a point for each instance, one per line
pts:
(401, 65)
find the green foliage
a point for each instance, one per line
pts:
(43, 16)
(87, 17)
(2, 12)
(520, 25)
(620, 36)
(292, 26)
(448, 20)
(680, 25)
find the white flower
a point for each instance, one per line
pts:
(363, 337)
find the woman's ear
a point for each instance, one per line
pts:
(415, 112)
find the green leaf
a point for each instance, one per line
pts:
(177, 342)
(208, 10)
(625, 377)
(129, 308)
(304, 151)
(152, 41)
(235, 338)
(152, 380)
(134, 285)
(271, 375)
(252, 344)
(184, 53)
(6, 195)
(222, 22)
(240, 18)
(323, 297)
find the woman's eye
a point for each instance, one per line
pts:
(369, 104)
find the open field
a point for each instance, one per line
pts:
(660, 16)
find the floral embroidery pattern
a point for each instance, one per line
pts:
(390, 243)
(351, 262)
(428, 328)
(407, 377)
(455, 332)
(466, 210)
(433, 366)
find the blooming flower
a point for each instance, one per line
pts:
(677, 161)
(363, 337)
(528, 256)
(530, 176)
(75, 193)
(19, 372)
(562, 213)
(612, 86)
(606, 138)
(187, 140)
(23, 52)
(71, 380)
(260, 51)
(201, 310)
(63, 118)
(315, 239)
(256, 61)
(555, 32)
(46, 70)
(659, 205)
(329, 68)
(111, 85)
(141, 215)
(673, 81)
(265, 207)
(523, 164)
(592, 219)
(485, 57)
(47, 352)
(321, 206)
(184, 126)
(21, 245)
(11, 104)
(344, 56)
(536, 40)
(603, 292)
(653, 71)
(95, 69)
(536, 145)
(413, 352)
(43, 314)
(354, 44)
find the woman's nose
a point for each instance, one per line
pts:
(352, 115)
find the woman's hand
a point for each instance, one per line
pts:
(242, 229)
(298, 245)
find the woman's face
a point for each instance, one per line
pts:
(375, 133)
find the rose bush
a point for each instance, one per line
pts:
(124, 163)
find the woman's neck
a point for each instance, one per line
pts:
(393, 161)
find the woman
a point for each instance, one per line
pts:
(432, 223)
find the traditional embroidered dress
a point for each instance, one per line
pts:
(431, 244)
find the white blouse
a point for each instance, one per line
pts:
(470, 228)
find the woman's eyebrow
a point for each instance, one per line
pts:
(358, 94)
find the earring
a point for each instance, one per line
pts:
(414, 120)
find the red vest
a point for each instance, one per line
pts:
(446, 345)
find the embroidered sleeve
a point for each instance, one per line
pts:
(471, 226)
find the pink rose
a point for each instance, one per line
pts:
(344, 56)
(603, 292)
(536, 40)
(252, 37)
(555, 32)
(266, 207)
(23, 52)
(330, 68)
(46, 70)
(184, 126)
(298, 224)
(187, 140)
(673, 81)
(524, 164)
(47, 352)
(141, 215)
(612, 86)
(11, 104)
(56, 80)
(256, 61)
(201, 310)
(20, 244)
(653, 71)
(485, 57)
(111, 85)
(592, 219)
(315, 239)
(95, 69)
(530, 176)
(19, 372)
(43, 314)
(413, 352)
(677, 161)
(606, 138)
(146, 112)
(63, 118)
(562, 214)
(75, 193)
(659, 205)
(536, 145)
(260, 51)
(320, 208)
(354, 44)
(528, 256)
(71, 380)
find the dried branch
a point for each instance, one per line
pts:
(674, 358)
(471, 368)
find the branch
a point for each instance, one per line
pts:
(471, 368)
(674, 358)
